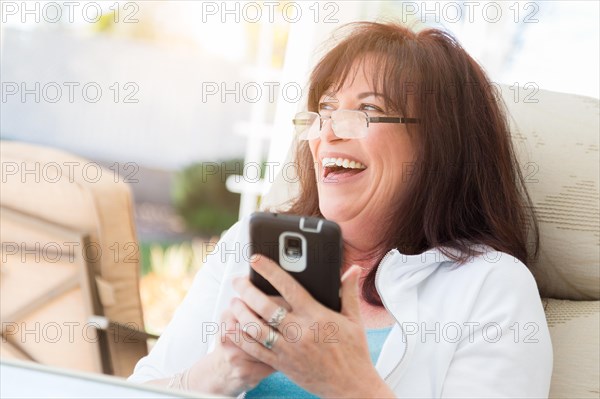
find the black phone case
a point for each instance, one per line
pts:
(321, 277)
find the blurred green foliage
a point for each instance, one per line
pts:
(145, 259)
(202, 199)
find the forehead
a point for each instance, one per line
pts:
(361, 78)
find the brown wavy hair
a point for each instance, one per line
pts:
(466, 186)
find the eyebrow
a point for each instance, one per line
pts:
(360, 96)
(368, 94)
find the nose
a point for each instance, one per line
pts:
(327, 133)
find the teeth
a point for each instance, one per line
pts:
(343, 162)
(328, 162)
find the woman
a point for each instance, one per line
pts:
(436, 298)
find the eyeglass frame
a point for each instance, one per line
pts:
(369, 119)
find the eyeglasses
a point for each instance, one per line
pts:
(346, 124)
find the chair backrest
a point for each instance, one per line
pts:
(69, 252)
(557, 140)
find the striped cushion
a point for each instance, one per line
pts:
(575, 340)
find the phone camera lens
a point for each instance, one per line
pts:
(293, 247)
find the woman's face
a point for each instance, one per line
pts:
(360, 197)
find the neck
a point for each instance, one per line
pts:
(364, 256)
(361, 239)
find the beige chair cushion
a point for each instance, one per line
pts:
(74, 194)
(557, 139)
(576, 343)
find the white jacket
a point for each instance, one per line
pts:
(476, 330)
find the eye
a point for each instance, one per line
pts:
(325, 109)
(370, 107)
(326, 106)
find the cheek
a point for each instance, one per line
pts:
(402, 158)
(395, 155)
(386, 148)
(399, 144)
(314, 146)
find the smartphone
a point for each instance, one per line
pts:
(308, 248)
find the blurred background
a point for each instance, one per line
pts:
(180, 98)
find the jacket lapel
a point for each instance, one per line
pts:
(397, 284)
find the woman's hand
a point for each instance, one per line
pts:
(228, 370)
(323, 351)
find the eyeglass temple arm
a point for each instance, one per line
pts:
(301, 122)
(391, 119)
(307, 121)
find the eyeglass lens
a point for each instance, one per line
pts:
(346, 124)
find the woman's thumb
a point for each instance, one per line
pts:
(350, 292)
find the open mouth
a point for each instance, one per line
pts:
(339, 167)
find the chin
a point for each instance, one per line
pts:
(335, 210)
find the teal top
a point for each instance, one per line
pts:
(277, 385)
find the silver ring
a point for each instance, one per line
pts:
(277, 317)
(271, 339)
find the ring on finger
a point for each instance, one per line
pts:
(271, 339)
(277, 317)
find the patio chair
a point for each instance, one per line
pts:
(70, 263)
